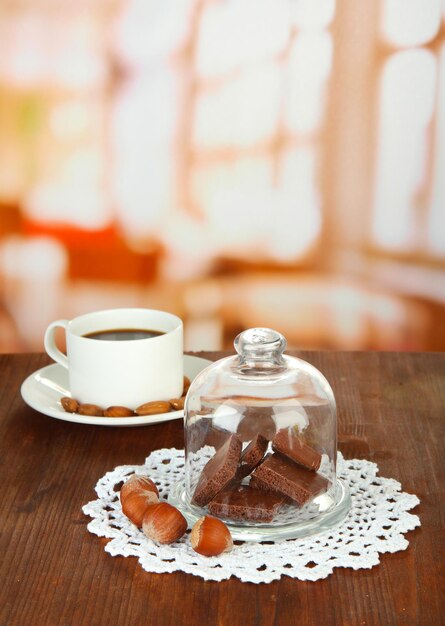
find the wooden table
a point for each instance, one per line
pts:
(53, 571)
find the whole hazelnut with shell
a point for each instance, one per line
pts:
(138, 483)
(163, 523)
(210, 537)
(136, 495)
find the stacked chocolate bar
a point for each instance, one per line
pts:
(288, 474)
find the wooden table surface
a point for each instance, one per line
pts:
(391, 409)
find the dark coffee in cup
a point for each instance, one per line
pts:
(123, 334)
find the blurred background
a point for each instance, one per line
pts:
(238, 162)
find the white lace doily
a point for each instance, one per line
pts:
(376, 523)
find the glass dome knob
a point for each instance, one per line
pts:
(260, 343)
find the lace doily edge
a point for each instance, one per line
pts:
(153, 564)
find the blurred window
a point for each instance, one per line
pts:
(409, 198)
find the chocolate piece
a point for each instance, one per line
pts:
(257, 483)
(290, 444)
(283, 475)
(200, 433)
(256, 420)
(215, 436)
(245, 503)
(251, 456)
(218, 472)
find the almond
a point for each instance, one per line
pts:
(118, 411)
(153, 408)
(69, 404)
(177, 403)
(90, 409)
(186, 385)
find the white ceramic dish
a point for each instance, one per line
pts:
(43, 389)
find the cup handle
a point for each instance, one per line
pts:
(50, 343)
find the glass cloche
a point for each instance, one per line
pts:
(261, 444)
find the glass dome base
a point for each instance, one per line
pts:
(323, 521)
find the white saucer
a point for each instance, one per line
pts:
(43, 389)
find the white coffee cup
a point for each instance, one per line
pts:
(126, 373)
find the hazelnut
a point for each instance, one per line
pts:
(163, 523)
(210, 537)
(138, 484)
(136, 503)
